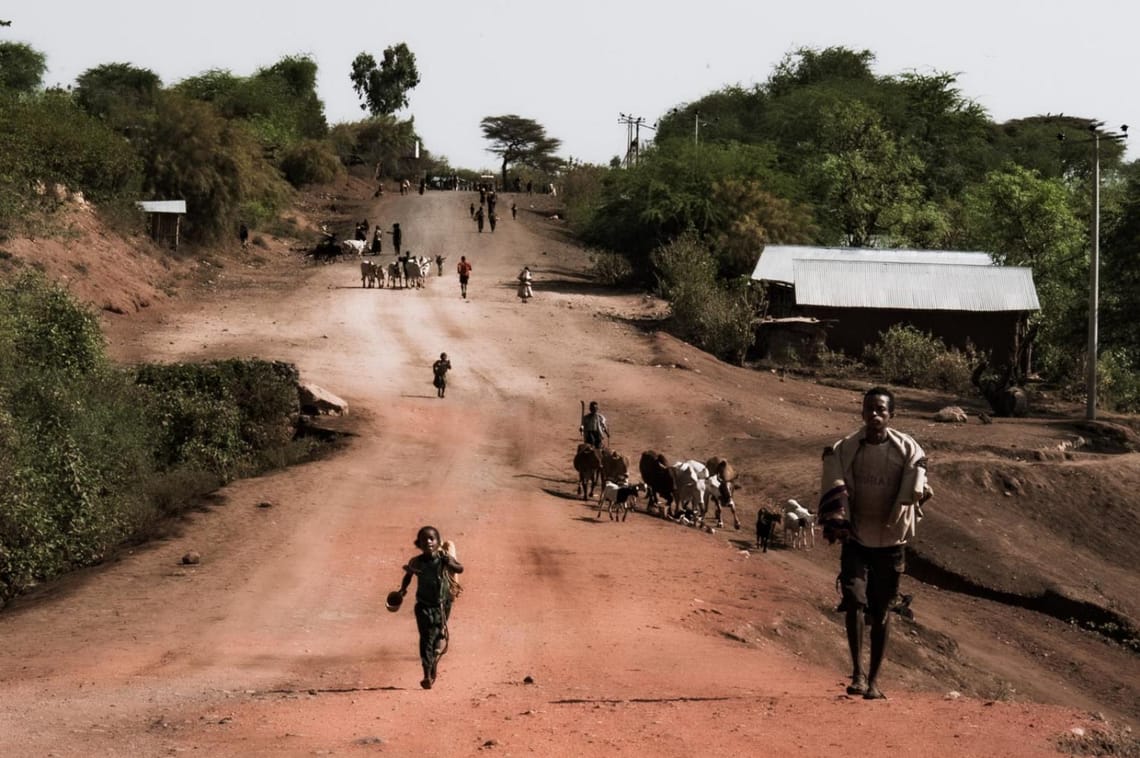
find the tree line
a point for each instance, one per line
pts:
(827, 152)
(234, 147)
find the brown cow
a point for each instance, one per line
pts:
(722, 468)
(615, 466)
(654, 469)
(588, 464)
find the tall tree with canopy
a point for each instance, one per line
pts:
(518, 140)
(117, 93)
(384, 87)
(864, 180)
(21, 67)
(1027, 220)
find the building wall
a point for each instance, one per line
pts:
(854, 329)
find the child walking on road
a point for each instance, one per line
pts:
(439, 371)
(434, 567)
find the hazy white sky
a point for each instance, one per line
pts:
(574, 66)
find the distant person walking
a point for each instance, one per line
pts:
(873, 486)
(472, 210)
(439, 259)
(397, 237)
(492, 219)
(243, 234)
(479, 219)
(514, 211)
(377, 240)
(525, 278)
(464, 269)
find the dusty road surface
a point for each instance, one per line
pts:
(574, 636)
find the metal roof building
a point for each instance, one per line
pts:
(163, 206)
(914, 286)
(960, 297)
(164, 217)
(776, 263)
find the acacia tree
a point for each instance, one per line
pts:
(521, 140)
(384, 88)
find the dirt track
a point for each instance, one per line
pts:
(642, 638)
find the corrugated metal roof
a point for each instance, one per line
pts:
(163, 206)
(775, 264)
(914, 286)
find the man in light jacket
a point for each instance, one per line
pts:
(873, 486)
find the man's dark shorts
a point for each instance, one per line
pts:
(869, 576)
(594, 438)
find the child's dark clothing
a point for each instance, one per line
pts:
(433, 607)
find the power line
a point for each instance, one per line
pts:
(633, 126)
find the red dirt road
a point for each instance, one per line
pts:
(642, 638)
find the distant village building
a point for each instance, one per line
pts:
(164, 220)
(845, 297)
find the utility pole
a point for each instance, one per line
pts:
(1094, 260)
(633, 126)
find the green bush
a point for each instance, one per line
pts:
(74, 446)
(43, 329)
(218, 416)
(611, 268)
(1118, 382)
(715, 317)
(910, 357)
(310, 162)
(92, 455)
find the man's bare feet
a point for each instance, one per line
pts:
(873, 693)
(858, 685)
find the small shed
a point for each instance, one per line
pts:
(794, 337)
(164, 219)
(960, 297)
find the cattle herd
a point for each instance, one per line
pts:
(682, 492)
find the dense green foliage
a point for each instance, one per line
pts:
(310, 162)
(219, 416)
(191, 152)
(118, 93)
(384, 140)
(279, 104)
(227, 145)
(92, 455)
(21, 68)
(829, 152)
(45, 140)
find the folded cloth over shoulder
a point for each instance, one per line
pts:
(837, 479)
